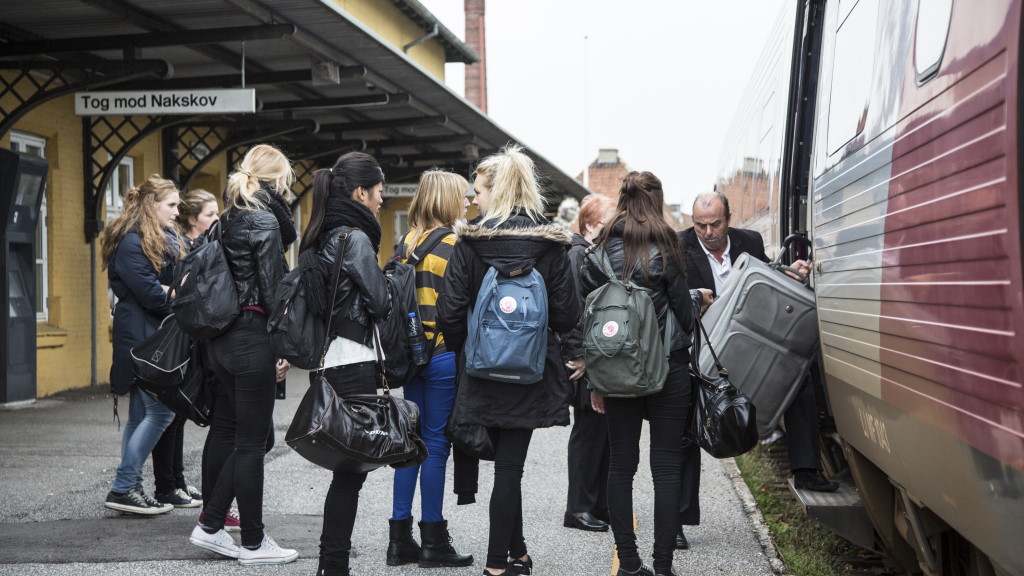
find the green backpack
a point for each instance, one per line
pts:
(626, 355)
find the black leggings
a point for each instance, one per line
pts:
(168, 458)
(506, 508)
(244, 363)
(666, 411)
(342, 500)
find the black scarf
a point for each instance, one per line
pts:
(280, 209)
(317, 274)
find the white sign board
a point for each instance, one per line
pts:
(241, 100)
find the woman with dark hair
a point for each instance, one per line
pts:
(256, 227)
(513, 237)
(346, 198)
(139, 250)
(627, 240)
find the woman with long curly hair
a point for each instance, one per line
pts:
(139, 249)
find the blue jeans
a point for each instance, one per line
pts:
(147, 420)
(434, 392)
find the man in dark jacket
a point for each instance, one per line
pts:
(712, 248)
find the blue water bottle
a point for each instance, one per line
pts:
(417, 340)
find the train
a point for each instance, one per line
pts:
(888, 132)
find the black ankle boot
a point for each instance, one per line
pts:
(402, 548)
(321, 571)
(437, 547)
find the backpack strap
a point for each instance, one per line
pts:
(427, 246)
(606, 263)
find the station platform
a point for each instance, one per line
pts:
(58, 457)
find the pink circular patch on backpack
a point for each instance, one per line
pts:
(507, 304)
(610, 328)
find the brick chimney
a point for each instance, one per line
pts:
(476, 74)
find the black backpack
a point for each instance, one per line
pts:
(400, 276)
(297, 334)
(205, 300)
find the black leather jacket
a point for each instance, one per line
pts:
(359, 271)
(252, 245)
(668, 285)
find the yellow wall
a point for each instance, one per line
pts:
(395, 28)
(64, 342)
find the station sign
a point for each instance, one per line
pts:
(129, 103)
(398, 191)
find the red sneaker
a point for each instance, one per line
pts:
(231, 522)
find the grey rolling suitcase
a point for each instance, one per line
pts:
(765, 328)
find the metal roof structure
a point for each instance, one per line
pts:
(325, 83)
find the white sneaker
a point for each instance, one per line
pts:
(220, 542)
(268, 553)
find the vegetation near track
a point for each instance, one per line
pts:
(807, 548)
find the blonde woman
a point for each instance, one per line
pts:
(512, 235)
(439, 201)
(196, 212)
(256, 228)
(139, 250)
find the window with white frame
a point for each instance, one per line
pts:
(401, 224)
(36, 146)
(118, 186)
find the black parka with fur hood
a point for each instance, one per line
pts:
(518, 243)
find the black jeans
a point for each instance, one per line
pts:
(667, 411)
(506, 508)
(168, 458)
(588, 458)
(342, 500)
(244, 364)
(220, 436)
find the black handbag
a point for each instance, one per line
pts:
(722, 421)
(169, 367)
(358, 432)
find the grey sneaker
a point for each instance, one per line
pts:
(220, 542)
(268, 553)
(131, 502)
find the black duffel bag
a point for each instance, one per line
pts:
(356, 433)
(722, 421)
(169, 367)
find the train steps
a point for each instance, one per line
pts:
(841, 511)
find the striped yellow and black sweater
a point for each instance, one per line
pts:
(429, 277)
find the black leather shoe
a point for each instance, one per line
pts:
(643, 571)
(814, 480)
(681, 542)
(584, 521)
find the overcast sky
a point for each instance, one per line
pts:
(663, 78)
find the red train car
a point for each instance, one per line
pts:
(888, 131)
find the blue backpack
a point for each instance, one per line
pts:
(508, 328)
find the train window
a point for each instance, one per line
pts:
(851, 74)
(930, 41)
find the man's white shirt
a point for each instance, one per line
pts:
(721, 269)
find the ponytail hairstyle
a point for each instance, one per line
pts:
(512, 180)
(263, 163)
(437, 202)
(139, 214)
(352, 170)
(639, 215)
(191, 206)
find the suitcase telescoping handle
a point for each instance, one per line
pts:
(777, 263)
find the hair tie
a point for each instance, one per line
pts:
(247, 174)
